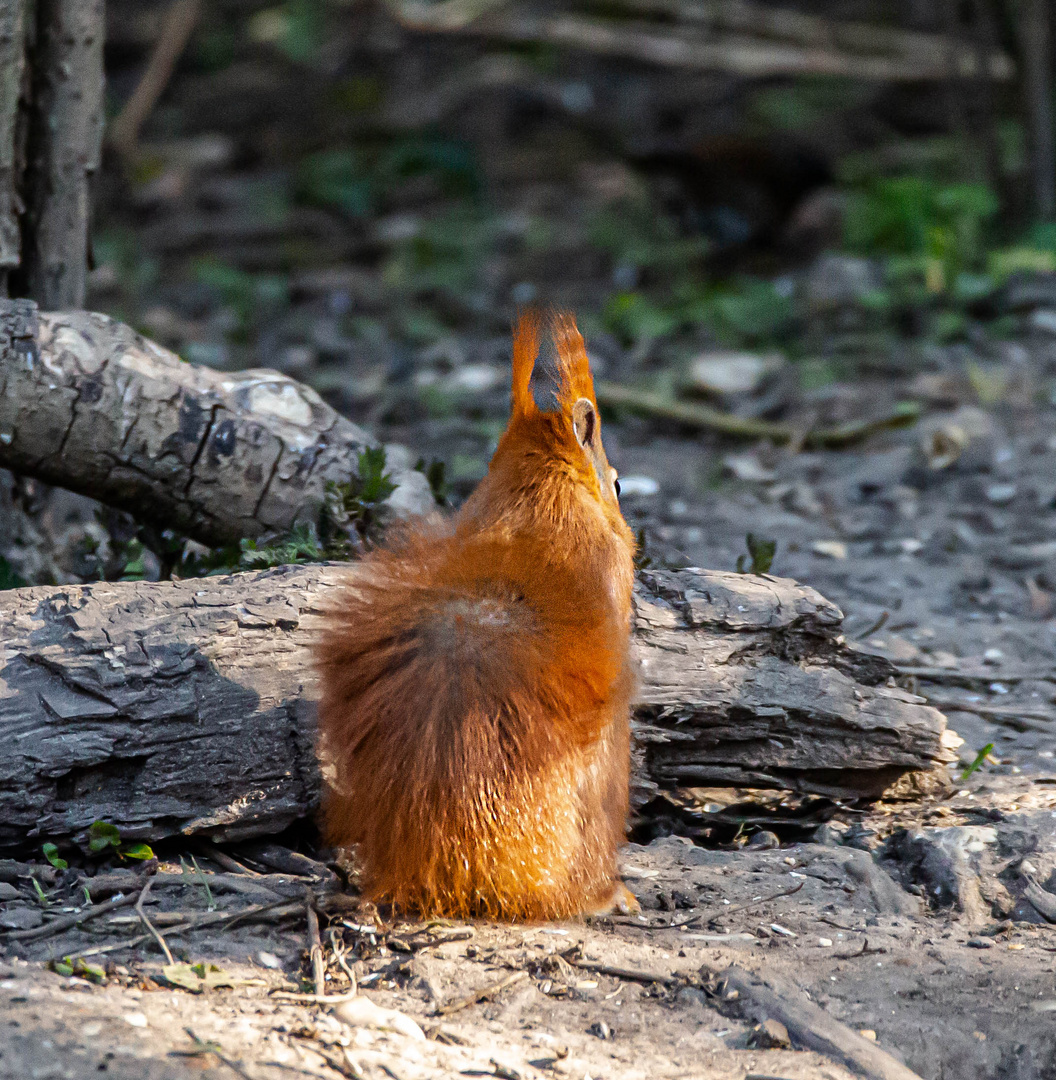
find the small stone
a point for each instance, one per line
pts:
(993, 656)
(764, 841)
(8, 892)
(825, 943)
(601, 1030)
(839, 281)
(21, 918)
(362, 1012)
(770, 1035)
(868, 1033)
(268, 960)
(732, 372)
(980, 943)
(692, 995)
(475, 378)
(830, 834)
(1001, 494)
(830, 549)
(135, 1019)
(749, 468)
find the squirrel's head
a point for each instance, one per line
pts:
(549, 486)
(554, 405)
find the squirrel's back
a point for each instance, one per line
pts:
(477, 678)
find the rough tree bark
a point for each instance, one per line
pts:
(64, 143)
(188, 706)
(12, 56)
(89, 405)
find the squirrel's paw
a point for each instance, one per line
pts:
(621, 902)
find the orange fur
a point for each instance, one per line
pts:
(477, 680)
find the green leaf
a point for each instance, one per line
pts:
(103, 835)
(979, 759)
(51, 853)
(136, 851)
(376, 484)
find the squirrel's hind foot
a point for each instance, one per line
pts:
(621, 902)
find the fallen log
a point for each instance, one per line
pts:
(187, 707)
(89, 405)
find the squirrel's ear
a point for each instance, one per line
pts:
(585, 423)
(525, 350)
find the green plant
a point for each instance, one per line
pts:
(355, 180)
(761, 551)
(978, 761)
(435, 472)
(202, 880)
(300, 545)
(51, 853)
(104, 837)
(76, 965)
(350, 511)
(937, 230)
(445, 254)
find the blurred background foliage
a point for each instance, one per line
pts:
(362, 194)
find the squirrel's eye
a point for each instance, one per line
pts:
(616, 485)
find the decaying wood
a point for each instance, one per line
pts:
(187, 706)
(740, 38)
(89, 405)
(812, 1028)
(65, 140)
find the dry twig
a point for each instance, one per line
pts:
(176, 31)
(480, 995)
(67, 921)
(315, 946)
(630, 974)
(710, 916)
(693, 415)
(148, 924)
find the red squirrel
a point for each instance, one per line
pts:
(477, 676)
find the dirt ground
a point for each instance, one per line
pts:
(952, 993)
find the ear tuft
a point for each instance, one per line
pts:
(525, 350)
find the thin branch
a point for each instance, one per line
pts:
(148, 924)
(480, 995)
(315, 946)
(630, 974)
(176, 32)
(68, 921)
(710, 916)
(742, 52)
(693, 415)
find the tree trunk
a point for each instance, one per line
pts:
(89, 405)
(12, 57)
(64, 142)
(188, 706)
